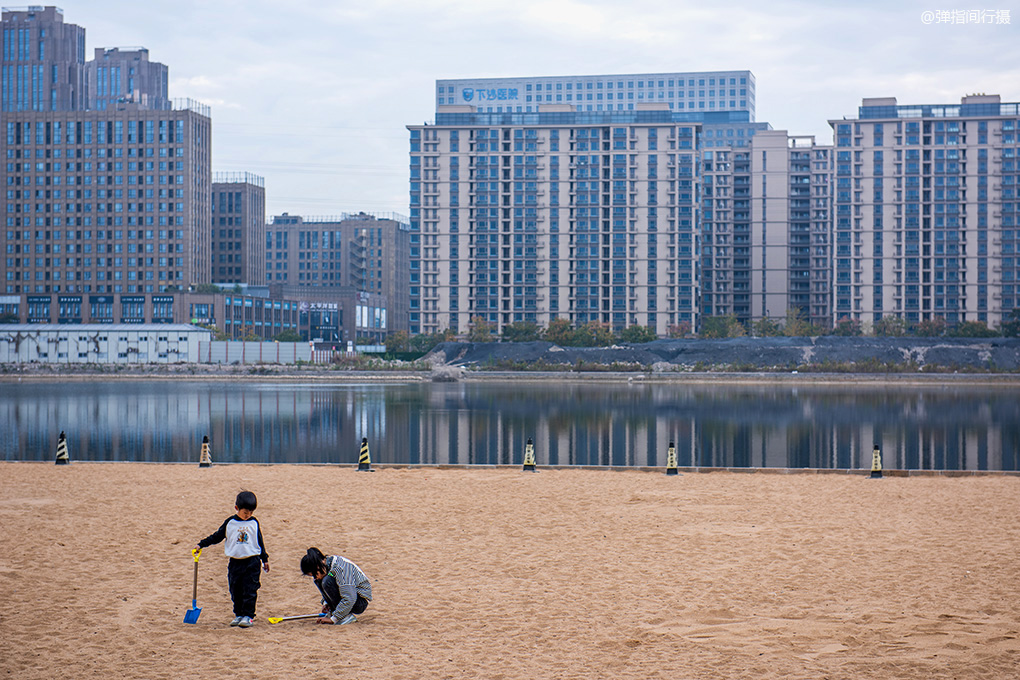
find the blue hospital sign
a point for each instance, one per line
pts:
(491, 94)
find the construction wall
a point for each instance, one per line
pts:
(235, 352)
(254, 352)
(100, 344)
(146, 344)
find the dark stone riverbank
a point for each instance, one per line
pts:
(866, 354)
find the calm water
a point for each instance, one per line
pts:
(952, 428)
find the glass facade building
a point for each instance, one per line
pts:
(688, 92)
(125, 75)
(42, 61)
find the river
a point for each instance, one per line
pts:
(490, 423)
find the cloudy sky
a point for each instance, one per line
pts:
(314, 95)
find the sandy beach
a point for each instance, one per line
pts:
(497, 573)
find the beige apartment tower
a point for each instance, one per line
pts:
(584, 216)
(791, 210)
(925, 211)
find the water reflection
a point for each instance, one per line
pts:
(486, 424)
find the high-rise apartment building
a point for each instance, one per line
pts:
(925, 211)
(764, 225)
(725, 220)
(97, 201)
(105, 201)
(238, 208)
(555, 214)
(363, 252)
(791, 224)
(572, 197)
(119, 75)
(42, 61)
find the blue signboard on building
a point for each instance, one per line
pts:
(491, 94)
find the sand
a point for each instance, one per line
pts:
(497, 573)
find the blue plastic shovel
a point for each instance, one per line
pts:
(191, 616)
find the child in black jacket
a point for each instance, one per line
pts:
(246, 550)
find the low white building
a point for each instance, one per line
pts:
(101, 343)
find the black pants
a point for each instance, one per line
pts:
(331, 594)
(243, 580)
(360, 605)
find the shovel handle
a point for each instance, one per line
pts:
(196, 553)
(278, 619)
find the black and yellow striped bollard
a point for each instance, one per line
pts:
(364, 460)
(671, 468)
(205, 457)
(529, 457)
(62, 457)
(876, 464)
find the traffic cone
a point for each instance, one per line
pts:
(62, 457)
(364, 460)
(876, 464)
(205, 460)
(529, 457)
(671, 460)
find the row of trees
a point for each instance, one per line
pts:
(595, 334)
(887, 327)
(560, 332)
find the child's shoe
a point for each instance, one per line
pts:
(350, 618)
(236, 621)
(245, 622)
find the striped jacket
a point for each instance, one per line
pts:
(344, 579)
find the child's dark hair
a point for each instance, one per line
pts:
(313, 562)
(246, 501)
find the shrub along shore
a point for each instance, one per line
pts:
(825, 357)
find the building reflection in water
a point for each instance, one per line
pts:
(488, 424)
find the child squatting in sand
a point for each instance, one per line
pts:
(246, 549)
(345, 589)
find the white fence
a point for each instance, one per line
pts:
(220, 352)
(100, 343)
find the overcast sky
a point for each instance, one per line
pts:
(314, 95)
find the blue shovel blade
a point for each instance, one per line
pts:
(191, 616)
